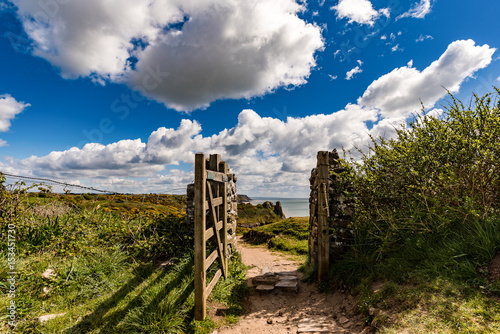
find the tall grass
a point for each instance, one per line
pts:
(111, 271)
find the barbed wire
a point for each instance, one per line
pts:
(65, 184)
(31, 178)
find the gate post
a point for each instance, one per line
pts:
(323, 225)
(200, 175)
(223, 168)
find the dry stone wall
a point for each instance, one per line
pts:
(340, 210)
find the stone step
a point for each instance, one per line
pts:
(289, 285)
(283, 281)
(264, 288)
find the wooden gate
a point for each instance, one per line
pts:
(210, 201)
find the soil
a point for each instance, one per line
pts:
(281, 312)
(494, 268)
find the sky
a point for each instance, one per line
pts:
(121, 94)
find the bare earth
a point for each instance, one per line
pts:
(307, 311)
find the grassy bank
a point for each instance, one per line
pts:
(105, 265)
(288, 235)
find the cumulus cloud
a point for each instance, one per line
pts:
(398, 93)
(270, 156)
(419, 10)
(350, 74)
(359, 11)
(9, 108)
(185, 54)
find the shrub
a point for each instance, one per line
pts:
(437, 172)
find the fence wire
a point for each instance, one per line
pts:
(66, 185)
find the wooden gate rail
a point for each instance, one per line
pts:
(210, 193)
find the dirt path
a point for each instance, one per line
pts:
(290, 312)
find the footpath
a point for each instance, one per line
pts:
(281, 304)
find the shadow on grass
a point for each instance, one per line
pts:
(107, 323)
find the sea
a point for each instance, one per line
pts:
(292, 207)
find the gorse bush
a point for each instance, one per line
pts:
(436, 172)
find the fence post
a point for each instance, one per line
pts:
(199, 236)
(323, 226)
(223, 168)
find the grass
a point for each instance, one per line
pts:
(254, 215)
(289, 236)
(113, 270)
(432, 283)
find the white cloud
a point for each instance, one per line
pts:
(398, 93)
(9, 108)
(189, 53)
(269, 155)
(422, 38)
(383, 37)
(261, 150)
(419, 10)
(396, 48)
(332, 77)
(350, 74)
(359, 11)
(498, 79)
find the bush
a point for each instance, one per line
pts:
(436, 173)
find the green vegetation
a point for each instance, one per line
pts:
(117, 264)
(428, 224)
(289, 235)
(254, 215)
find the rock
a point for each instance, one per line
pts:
(278, 209)
(292, 286)
(265, 280)
(266, 271)
(264, 288)
(47, 273)
(268, 205)
(367, 330)
(343, 320)
(289, 278)
(243, 198)
(269, 321)
(45, 318)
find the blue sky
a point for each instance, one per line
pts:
(121, 94)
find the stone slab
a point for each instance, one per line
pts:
(264, 288)
(265, 280)
(292, 286)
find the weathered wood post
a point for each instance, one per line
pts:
(323, 226)
(223, 209)
(200, 175)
